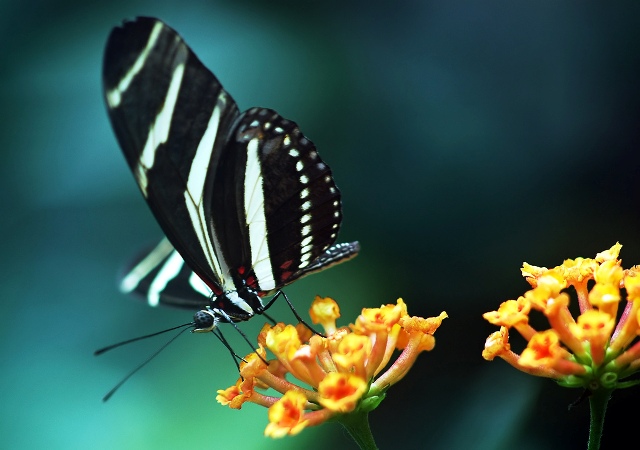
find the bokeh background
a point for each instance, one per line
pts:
(466, 137)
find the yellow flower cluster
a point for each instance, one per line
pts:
(334, 374)
(594, 350)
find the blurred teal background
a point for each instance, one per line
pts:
(466, 138)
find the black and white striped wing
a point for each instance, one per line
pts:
(288, 206)
(171, 118)
(243, 198)
(337, 254)
(160, 276)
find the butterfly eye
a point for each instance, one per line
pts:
(204, 321)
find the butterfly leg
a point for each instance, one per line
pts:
(217, 333)
(293, 310)
(225, 316)
(269, 318)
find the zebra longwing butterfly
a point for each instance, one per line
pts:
(243, 198)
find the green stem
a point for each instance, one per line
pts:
(357, 424)
(598, 404)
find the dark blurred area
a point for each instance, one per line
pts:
(465, 137)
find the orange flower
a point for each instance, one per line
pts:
(226, 396)
(343, 372)
(340, 392)
(325, 311)
(286, 416)
(581, 351)
(351, 354)
(377, 319)
(497, 344)
(545, 352)
(513, 313)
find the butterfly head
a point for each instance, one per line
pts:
(205, 320)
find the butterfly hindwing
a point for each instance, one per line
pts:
(292, 205)
(160, 276)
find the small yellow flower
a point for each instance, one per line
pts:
(351, 354)
(340, 392)
(610, 254)
(497, 344)
(325, 311)
(595, 327)
(226, 396)
(379, 319)
(589, 351)
(513, 313)
(544, 350)
(286, 416)
(342, 372)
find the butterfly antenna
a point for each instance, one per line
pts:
(130, 374)
(129, 341)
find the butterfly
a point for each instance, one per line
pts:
(245, 202)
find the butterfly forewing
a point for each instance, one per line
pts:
(171, 117)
